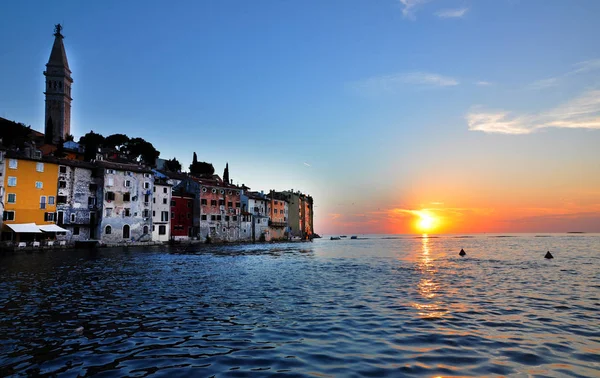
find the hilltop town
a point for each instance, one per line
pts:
(115, 190)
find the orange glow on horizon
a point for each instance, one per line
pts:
(426, 222)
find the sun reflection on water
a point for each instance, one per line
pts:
(428, 287)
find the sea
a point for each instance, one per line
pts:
(375, 306)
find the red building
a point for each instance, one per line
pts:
(182, 216)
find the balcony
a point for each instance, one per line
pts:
(278, 224)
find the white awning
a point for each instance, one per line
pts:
(51, 228)
(25, 227)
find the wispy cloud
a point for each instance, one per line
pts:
(578, 68)
(452, 13)
(308, 165)
(392, 83)
(483, 83)
(582, 112)
(409, 7)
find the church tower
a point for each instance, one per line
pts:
(58, 91)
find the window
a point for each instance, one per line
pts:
(165, 190)
(164, 216)
(39, 167)
(237, 204)
(61, 200)
(226, 218)
(72, 218)
(42, 202)
(145, 230)
(110, 196)
(154, 189)
(93, 187)
(127, 183)
(221, 202)
(147, 198)
(76, 230)
(147, 175)
(190, 204)
(109, 212)
(173, 215)
(164, 201)
(39, 185)
(51, 200)
(91, 201)
(162, 230)
(189, 215)
(110, 171)
(8, 215)
(12, 181)
(11, 198)
(213, 217)
(62, 169)
(203, 201)
(146, 213)
(153, 213)
(48, 217)
(218, 217)
(146, 185)
(153, 199)
(127, 173)
(213, 202)
(203, 217)
(203, 190)
(235, 218)
(62, 184)
(275, 211)
(126, 197)
(173, 203)
(229, 204)
(126, 231)
(127, 212)
(108, 229)
(12, 164)
(110, 181)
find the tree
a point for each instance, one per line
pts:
(173, 165)
(201, 168)
(91, 141)
(140, 150)
(69, 138)
(226, 174)
(116, 141)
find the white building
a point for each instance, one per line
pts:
(161, 211)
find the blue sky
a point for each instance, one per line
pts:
(377, 97)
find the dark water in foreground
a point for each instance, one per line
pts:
(399, 306)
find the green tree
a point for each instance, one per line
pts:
(140, 150)
(116, 141)
(201, 168)
(60, 149)
(91, 141)
(173, 165)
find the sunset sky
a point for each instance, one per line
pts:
(481, 116)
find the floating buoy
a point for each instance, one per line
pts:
(548, 255)
(462, 252)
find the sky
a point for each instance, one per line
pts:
(475, 116)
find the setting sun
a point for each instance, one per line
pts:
(426, 222)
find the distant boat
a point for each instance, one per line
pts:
(353, 237)
(343, 236)
(334, 238)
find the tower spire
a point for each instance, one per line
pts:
(58, 90)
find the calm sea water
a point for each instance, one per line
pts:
(380, 306)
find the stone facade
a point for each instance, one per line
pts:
(220, 209)
(277, 207)
(127, 194)
(77, 206)
(161, 211)
(258, 208)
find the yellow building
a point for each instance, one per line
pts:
(30, 187)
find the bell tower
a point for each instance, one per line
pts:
(58, 91)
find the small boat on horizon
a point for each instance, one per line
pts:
(353, 237)
(335, 238)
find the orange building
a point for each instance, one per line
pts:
(30, 190)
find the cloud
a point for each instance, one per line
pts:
(410, 6)
(308, 165)
(482, 83)
(452, 13)
(578, 68)
(582, 112)
(391, 83)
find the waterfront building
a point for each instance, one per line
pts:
(277, 207)
(127, 194)
(300, 214)
(2, 199)
(258, 208)
(161, 210)
(182, 212)
(220, 209)
(58, 92)
(77, 207)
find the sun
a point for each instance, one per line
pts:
(426, 222)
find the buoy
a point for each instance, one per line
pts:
(462, 252)
(548, 255)
(79, 330)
